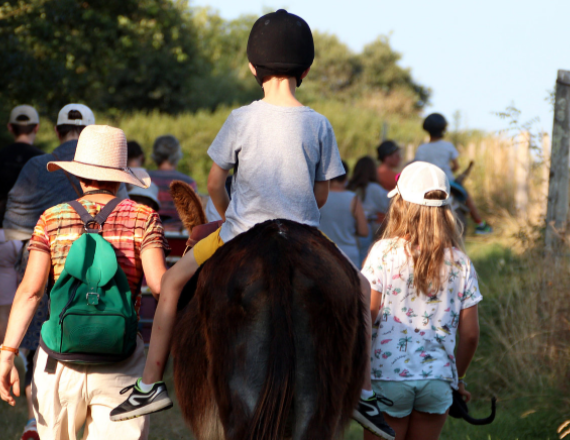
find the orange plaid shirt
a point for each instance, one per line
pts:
(130, 228)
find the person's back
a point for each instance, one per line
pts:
(338, 223)
(439, 153)
(282, 151)
(37, 189)
(424, 295)
(166, 153)
(23, 125)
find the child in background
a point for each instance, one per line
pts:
(390, 158)
(444, 155)
(343, 218)
(425, 295)
(287, 154)
(374, 200)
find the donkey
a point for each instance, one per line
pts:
(271, 344)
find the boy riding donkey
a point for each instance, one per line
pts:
(287, 154)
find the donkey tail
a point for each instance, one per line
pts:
(274, 404)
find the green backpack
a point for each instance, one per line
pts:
(92, 315)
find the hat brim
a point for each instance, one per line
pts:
(393, 193)
(137, 177)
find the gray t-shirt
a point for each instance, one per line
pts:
(281, 152)
(439, 153)
(376, 200)
(339, 224)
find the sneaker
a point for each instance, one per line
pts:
(369, 415)
(483, 229)
(140, 403)
(30, 431)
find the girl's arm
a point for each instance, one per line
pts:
(358, 214)
(26, 302)
(468, 332)
(375, 301)
(321, 192)
(217, 189)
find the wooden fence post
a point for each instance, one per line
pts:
(557, 207)
(522, 173)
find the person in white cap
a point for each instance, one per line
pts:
(424, 296)
(23, 125)
(67, 395)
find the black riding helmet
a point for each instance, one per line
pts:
(280, 43)
(435, 124)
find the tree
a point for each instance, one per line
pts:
(127, 55)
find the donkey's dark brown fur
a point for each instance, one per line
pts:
(272, 344)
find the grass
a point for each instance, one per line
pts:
(518, 359)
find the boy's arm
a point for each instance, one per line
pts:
(217, 189)
(321, 192)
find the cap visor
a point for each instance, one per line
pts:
(138, 177)
(393, 193)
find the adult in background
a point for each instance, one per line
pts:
(37, 190)
(166, 153)
(71, 394)
(343, 219)
(374, 201)
(390, 158)
(23, 125)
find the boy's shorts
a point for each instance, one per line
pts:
(431, 396)
(205, 248)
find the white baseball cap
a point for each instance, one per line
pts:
(88, 118)
(24, 110)
(419, 178)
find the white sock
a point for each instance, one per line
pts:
(145, 388)
(366, 394)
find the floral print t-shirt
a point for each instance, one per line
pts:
(414, 335)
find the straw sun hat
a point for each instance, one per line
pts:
(101, 154)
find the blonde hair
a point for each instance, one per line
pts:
(428, 232)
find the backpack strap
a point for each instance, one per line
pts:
(99, 219)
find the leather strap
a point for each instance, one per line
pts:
(77, 191)
(10, 349)
(99, 219)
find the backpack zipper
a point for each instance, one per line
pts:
(71, 297)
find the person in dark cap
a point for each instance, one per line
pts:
(287, 156)
(390, 158)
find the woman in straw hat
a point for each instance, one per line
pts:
(71, 394)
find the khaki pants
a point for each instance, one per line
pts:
(78, 394)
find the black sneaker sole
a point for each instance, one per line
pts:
(366, 424)
(154, 407)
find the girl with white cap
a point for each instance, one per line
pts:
(424, 305)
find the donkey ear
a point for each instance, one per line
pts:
(187, 204)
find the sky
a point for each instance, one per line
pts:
(478, 57)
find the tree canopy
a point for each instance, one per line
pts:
(143, 55)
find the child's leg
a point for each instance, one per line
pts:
(473, 210)
(365, 295)
(173, 281)
(398, 424)
(425, 426)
